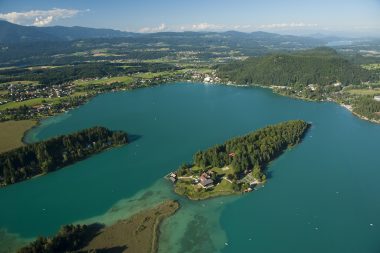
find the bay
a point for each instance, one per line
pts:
(321, 195)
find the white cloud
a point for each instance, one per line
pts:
(214, 27)
(161, 28)
(38, 17)
(207, 26)
(286, 25)
(42, 21)
(223, 27)
(193, 27)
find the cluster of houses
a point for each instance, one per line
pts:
(36, 111)
(20, 92)
(211, 79)
(204, 180)
(313, 87)
(194, 75)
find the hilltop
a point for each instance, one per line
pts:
(322, 66)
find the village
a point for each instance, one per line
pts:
(21, 100)
(19, 91)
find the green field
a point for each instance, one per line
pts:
(364, 92)
(79, 93)
(38, 101)
(22, 82)
(149, 75)
(45, 67)
(30, 102)
(373, 66)
(185, 186)
(106, 81)
(196, 192)
(11, 133)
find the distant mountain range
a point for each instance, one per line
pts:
(12, 33)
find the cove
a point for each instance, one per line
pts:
(322, 195)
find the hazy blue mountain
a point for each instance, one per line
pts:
(13, 33)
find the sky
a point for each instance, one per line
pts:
(332, 17)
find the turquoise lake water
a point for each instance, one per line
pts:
(322, 196)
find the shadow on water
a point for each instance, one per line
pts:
(117, 249)
(269, 174)
(133, 137)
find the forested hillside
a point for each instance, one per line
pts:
(47, 156)
(321, 66)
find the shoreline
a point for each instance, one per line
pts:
(229, 83)
(139, 233)
(272, 88)
(349, 108)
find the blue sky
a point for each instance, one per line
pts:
(284, 16)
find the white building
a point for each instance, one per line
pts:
(377, 98)
(207, 79)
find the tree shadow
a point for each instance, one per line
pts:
(133, 137)
(116, 249)
(269, 174)
(92, 230)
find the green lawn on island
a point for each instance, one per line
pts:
(197, 192)
(186, 187)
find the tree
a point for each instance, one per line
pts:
(256, 173)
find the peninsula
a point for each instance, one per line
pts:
(47, 156)
(138, 233)
(237, 165)
(320, 74)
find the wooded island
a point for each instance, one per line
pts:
(47, 156)
(237, 165)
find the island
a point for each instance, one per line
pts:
(239, 164)
(138, 234)
(47, 156)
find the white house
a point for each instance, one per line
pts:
(377, 98)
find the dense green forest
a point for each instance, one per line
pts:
(46, 156)
(366, 106)
(321, 66)
(254, 150)
(68, 239)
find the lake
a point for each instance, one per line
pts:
(322, 196)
